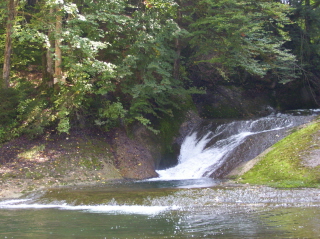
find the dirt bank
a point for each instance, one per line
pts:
(83, 157)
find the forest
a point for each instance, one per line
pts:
(68, 64)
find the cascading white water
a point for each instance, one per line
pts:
(195, 158)
(201, 155)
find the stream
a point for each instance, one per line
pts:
(185, 201)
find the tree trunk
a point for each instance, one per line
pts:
(176, 66)
(307, 18)
(49, 67)
(307, 26)
(8, 45)
(58, 54)
(48, 62)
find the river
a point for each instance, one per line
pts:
(164, 209)
(181, 203)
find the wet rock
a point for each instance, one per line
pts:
(233, 102)
(149, 141)
(312, 159)
(133, 159)
(192, 119)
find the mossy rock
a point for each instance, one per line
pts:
(292, 162)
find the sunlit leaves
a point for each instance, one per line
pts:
(117, 59)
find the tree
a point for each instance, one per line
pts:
(305, 43)
(8, 44)
(58, 53)
(121, 55)
(234, 36)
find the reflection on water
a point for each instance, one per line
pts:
(185, 183)
(163, 209)
(52, 223)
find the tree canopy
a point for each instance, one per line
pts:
(77, 63)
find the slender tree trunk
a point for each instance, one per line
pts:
(8, 45)
(307, 26)
(176, 66)
(58, 54)
(49, 67)
(48, 61)
(307, 20)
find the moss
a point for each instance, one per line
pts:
(283, 165)
(169, 127)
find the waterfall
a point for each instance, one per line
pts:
(212, 151)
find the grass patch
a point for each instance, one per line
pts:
(33, 152)
(283, 165)
(87, 153)
(34, 175)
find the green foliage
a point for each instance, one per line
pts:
(34, 116)
(2, 43)
(110, 114)
(9, 132)
(9, 100)
(305, 42)
(118, 58)
(233, 35)
(148, 64)
(23, 113)
(118, 65)
(134, 71)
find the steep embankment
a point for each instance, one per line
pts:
(78, 158)
(82, 157)
(292, 162)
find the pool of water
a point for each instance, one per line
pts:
(54, 223)
(202, 208)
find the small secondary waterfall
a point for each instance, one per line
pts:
(213, 151)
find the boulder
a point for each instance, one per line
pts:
(132, 157)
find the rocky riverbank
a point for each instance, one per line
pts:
(90, 157)
(82, 157)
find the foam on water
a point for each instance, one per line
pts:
(112, 209)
